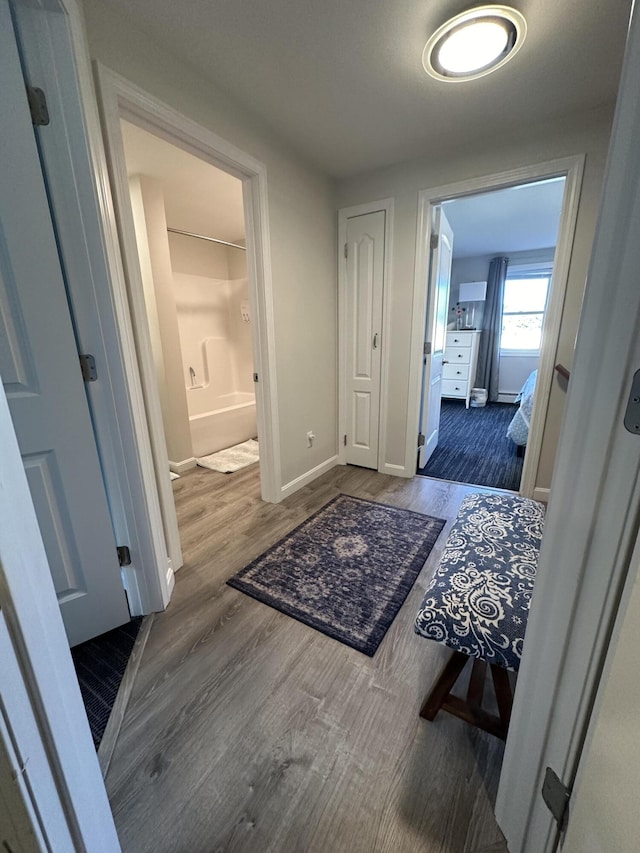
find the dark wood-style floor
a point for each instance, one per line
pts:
(248, 731)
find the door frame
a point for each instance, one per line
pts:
(121, 99)
(594, 512)
(572, 169)
(345, 213)
(429, 327)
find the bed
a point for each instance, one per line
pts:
(518, 430)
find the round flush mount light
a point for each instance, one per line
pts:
(474, 43)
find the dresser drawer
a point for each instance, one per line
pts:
(458, 339)
(454, 388)
(455, 355)
(459, 372)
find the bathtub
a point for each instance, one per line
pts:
(232, 420)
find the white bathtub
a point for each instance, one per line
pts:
(231, 422)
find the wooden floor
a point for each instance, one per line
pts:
(248, 731)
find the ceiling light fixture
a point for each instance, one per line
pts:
(474, 43)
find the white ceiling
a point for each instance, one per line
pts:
(198, 197)
(516, 219)
(342, 80)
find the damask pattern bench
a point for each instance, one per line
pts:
(478, 602)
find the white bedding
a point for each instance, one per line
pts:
(518, 430)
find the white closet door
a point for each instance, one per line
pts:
(365, 279)
(42, 379)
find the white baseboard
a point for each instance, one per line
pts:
(540, 494)
(507, 397)
(181, 467)
(308, 477)
(395, 470)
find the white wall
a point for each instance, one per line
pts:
(604, 816)
(157, 277)
(582, 133)
(208, 301)
(302, 225)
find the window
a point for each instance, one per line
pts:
(525, 298)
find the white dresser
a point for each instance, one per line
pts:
(459, 364)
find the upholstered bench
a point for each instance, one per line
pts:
(478, 603)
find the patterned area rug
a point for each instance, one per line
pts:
(232, 459)
(345, 571)
(100, 664)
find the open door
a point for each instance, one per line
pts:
(43, 382)
(435, 334)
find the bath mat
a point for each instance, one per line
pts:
(232, 459)
(345, 571)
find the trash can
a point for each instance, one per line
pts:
(478, 397)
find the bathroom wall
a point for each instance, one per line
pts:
(194, 291)
(155, 265)
(210, 285)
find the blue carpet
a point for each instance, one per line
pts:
(473, 447)
(100, 664)
(345, 571)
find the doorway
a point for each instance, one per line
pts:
(119, 100)
(190, 233)
(570, 169)
(494, 284)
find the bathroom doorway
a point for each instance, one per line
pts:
(189, 224)
(190, 233)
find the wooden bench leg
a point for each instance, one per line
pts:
(445, 681)
(470, 709)
(504, 694)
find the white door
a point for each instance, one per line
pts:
(435, 335)
(363, 324)
(42, 379)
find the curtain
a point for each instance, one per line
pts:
(489, 352)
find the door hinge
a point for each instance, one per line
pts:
(38, 106)
(345, 441)
(88, 367)
(427, 348)
(434, 241)
(255, 377)
(421, 440)
(346, 250)
(124, 555)
(556, 795)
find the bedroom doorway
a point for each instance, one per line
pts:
(500, 277)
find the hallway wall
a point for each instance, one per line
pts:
(302, 227)
(586, 133)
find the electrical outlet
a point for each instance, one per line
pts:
(310, 438)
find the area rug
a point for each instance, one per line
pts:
(473, 447)
(232, 459)
(345, 571)
(100, 664)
